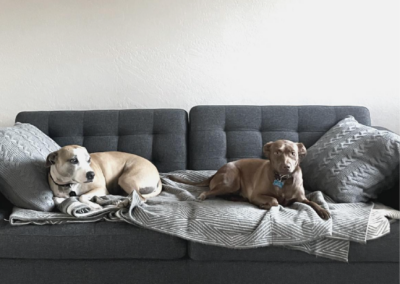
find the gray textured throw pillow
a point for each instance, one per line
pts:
(23, 175)
(352, 162)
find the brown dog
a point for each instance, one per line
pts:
(265, 183)
(75, 172)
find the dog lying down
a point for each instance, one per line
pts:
(73, 172)
(265, 183)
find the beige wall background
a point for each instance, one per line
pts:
(92, 54)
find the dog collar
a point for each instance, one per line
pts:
(62, 185)
(280, 179)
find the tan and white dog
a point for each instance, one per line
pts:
(75, 172)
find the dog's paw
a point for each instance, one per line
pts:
(265, 206)
(202, 196)
(324, 214)
(95, 207)
(122, 203)
(268, 205)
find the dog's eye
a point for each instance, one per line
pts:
(89, 160)
(73, 161)
(293, 153)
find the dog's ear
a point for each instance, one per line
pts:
(51, 159)
(302, 151)
(267, 149)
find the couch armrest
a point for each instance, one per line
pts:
(390, 197)
(3, 215)
(5, 207)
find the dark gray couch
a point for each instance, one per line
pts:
(121, 253)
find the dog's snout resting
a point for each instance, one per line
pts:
(73, 172)
(90, 175)
(265, 183)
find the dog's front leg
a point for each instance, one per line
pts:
(264, 201)
(85, 198)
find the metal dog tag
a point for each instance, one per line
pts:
(278, 183)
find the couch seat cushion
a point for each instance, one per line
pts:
(384, 249)
(101, 240)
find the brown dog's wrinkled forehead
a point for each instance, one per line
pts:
(284, 145)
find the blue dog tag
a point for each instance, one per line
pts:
(278, 183)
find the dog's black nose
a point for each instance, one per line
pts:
(90, 175)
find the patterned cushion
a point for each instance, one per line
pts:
(23, 175)
(352, 162)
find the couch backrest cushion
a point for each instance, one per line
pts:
(220, 134)
(157, 135)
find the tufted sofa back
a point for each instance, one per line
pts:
(158, 135)
(220, 134)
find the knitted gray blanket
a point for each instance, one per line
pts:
(236, 225)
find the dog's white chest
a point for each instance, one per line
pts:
(78, 189)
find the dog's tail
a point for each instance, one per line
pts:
(205, 182)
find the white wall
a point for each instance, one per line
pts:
(92, 54)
